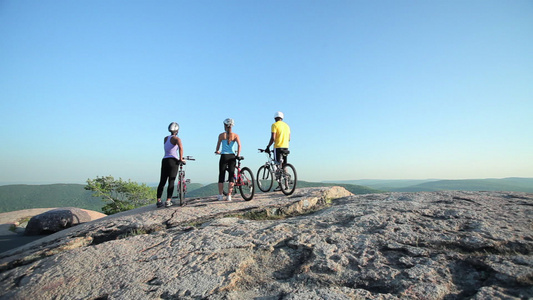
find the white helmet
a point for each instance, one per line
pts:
(278, 114)
(229, 122)
(173, 127)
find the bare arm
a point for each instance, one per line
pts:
(218, 143)
(238, 144)
(272, 139)
(181, 148)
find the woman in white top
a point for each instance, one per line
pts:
(227, 140)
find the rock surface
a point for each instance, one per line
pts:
(321, 243)
(58, 219)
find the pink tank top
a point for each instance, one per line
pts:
(171, 150)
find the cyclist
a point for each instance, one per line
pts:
(280, 137)
(227, 140)
(170, 164)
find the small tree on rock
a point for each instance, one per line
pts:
(121, 195)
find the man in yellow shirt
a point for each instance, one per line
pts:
(280, 137)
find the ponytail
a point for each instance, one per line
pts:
(228, 132)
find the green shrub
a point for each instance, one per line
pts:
(120, 195)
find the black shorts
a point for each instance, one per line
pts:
(278, 152)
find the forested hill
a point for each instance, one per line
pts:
(21, 196)
(25, 196)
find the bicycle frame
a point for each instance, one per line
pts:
(244, 181)
(182, 182)
(271, 163)
(237, 174)
(181, 175)
(284, 173)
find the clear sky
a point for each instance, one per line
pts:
(371, 89)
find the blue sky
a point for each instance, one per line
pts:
(371, 89)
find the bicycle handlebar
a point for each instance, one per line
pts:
(182, 162)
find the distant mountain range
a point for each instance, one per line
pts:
(21, 196)
(515, 184)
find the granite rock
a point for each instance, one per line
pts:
(321, 243)
(58, 219)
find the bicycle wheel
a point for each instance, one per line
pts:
(181, 188)
(288, 179)
(265, 178)
(247, 184)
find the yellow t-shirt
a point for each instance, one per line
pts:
(283, 134)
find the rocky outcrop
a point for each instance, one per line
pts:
(321, 243)
(58, 219)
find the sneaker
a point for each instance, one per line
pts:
(160, 204)
(229, 198)
(220, 198)
(168, 204)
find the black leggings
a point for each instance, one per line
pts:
(229, 161)
(169, 170)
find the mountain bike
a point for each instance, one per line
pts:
(244, 180)
(182, 182)
(286, 176)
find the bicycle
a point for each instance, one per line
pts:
(182, 182)
(286, 176)
(244, 180)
